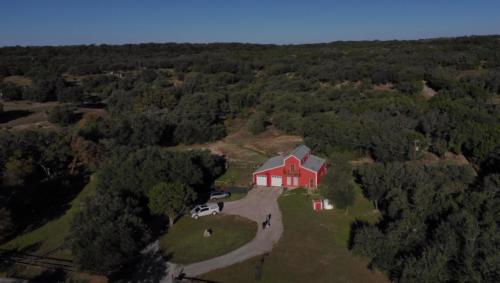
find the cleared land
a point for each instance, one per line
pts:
(18, 80)
(245, 151)
(184, 243)
(313, 247)
(24, 114)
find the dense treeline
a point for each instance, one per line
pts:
(37, 168)
(114, 224)
(41, 171)
(351, 96)
(439, 223)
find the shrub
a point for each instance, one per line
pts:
(63, 115)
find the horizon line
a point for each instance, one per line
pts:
(248, 43)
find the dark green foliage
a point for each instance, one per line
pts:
(199, 118)
(257, 123)
(289, 122)
(170, 199)
(45, 88)
(48, 152)
(121, 101)
(439, 223)
(435, 226)
(338, 185)
(108, 232)
(62, 114)
(140, 170)
(35, 169)
(139, 130)
(11, 91)
(72, 94)
(6, 225)
(362, 97)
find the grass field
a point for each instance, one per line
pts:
(185, 243)
(50, 239)
(313, 247)
(239, 175)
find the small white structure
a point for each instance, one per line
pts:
(327, 204)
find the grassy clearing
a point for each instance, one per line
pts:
(185, 242)
(239, 175)
(313, 247)
(50, 238)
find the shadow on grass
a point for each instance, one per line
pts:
(151, 267)
(7, 257)
(57, 275)
(356, 226)
(34, 205)
(8, 116)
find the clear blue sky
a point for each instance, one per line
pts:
(56, 22)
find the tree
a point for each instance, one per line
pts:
(109, 232)
(199, 118)
(170, 199)
(374, 182)
(72, 94)
(63, 115)
(338, 184)
(257, 123)
(6, 225)
(17, 171)
(11, 91)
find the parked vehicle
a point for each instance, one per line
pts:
(219, 195)
(204, 210)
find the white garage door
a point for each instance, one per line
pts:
(261, 180)
(276, 181)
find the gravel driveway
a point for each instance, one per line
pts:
(255, 206)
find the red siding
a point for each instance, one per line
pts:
(306, 178)
(268, 173)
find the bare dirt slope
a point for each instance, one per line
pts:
(242, 146)
(22, 114)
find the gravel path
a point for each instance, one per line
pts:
(255, 206)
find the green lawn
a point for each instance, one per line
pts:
(185, 242)
(235, 196)
(51, 237)
(237, 174)
(313, 247)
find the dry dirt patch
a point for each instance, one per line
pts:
(243, 147)
(18, 80)
(27, 114)
(428, 92)
(383, 87)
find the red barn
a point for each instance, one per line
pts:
(298, 169)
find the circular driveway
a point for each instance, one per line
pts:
(258, 203)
